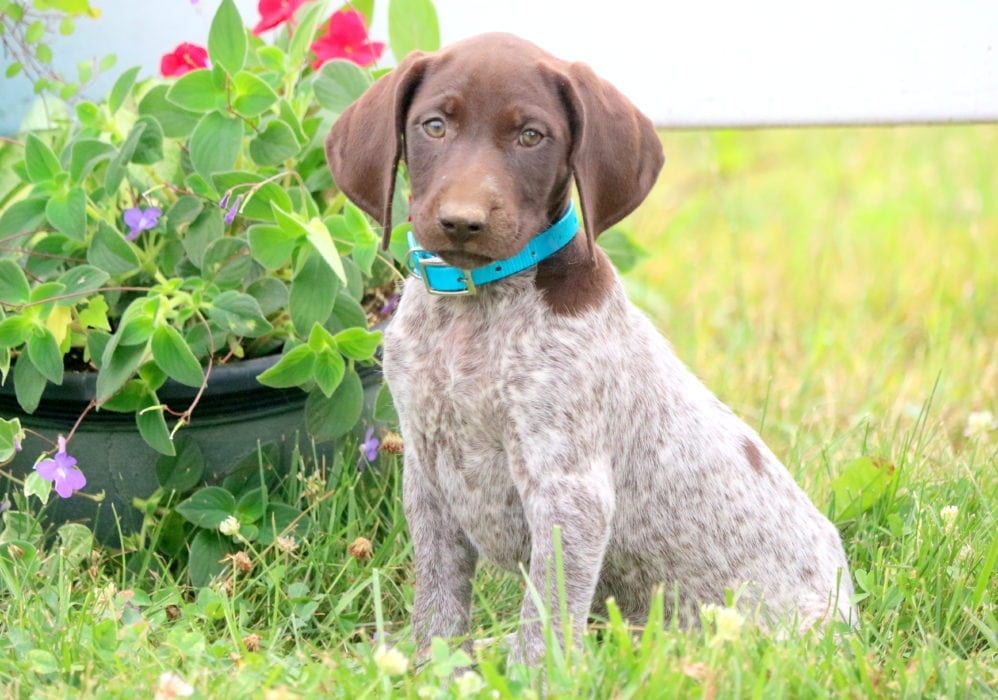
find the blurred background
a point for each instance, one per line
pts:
(691, 64)
(821, 280)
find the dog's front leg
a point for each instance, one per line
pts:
(444, 561)
(580, 503)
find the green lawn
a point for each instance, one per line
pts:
(838, 288)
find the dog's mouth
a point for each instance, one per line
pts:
(463, 259)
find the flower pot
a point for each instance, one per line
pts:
(234, 417)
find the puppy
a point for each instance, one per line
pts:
(535, 400)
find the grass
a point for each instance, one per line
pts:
(836, 287)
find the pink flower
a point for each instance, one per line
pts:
(346, 37)
(183, 59)
(61, 470)
(274, 12)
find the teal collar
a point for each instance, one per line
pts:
(441, 278)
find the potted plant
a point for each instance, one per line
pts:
(171, 251)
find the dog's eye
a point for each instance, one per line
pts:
(530, 137)
(435, 128)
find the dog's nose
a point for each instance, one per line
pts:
(462, 223)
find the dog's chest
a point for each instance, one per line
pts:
(447, 372)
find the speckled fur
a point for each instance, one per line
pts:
(548, 400)
(517, 420)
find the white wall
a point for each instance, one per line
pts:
(756, 62)
(693, 63)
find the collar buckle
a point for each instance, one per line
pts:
(419, 259)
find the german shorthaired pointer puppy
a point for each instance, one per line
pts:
(531, 393)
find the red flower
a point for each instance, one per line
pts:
(346, 37)
(274, 12)
(184, 59)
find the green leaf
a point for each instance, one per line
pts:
(28, 384)
(183, 471)
(11, 433)
(272, 294)
(252, 96)
(624, 251)
(24, 216)
(333, 417)
(149, 149)
(14, 289)
(275, 144)
(14, 331)
(175, 121)
(238, 314)
(861, 484)
(116, 170)
(305, 33)
(86, 155)
(174, 356)
(322, 240)
(227, 38)
(271, 246)
(328, 370)
(43, 349)
(412, 26)
(208, 507)
(260, 198)
(384, 406)
(215, 144)
(227, 262)
(68, 213)
(76, 542)
(293, 369)
(208, 550)
(313, 291)
(398, 245)
(39, 160)
(348, 312)
(280, 518)
(251, 505)
(118, 364)
(82, 278)
(198, 92)
(206, 228)
(152, 425)
(339, 83)
(358, 343)
(365, 240)
(111, 252)
(121, 88)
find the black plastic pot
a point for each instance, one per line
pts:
(234, 417)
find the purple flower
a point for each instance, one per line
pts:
(4, 505)
(139, 220)
(61, 470)
(17, 444)
(390, 304)
(230, 215)
(369, 448)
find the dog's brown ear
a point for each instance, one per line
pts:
(616, 154)
(365, 145)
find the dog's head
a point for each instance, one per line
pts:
(492, 130)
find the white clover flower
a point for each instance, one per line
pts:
(390, 661)
(170, 685)
(468, 684)
(980, 423)
(949, 515)
(729, 623)
(287, 543)
(229, 526)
